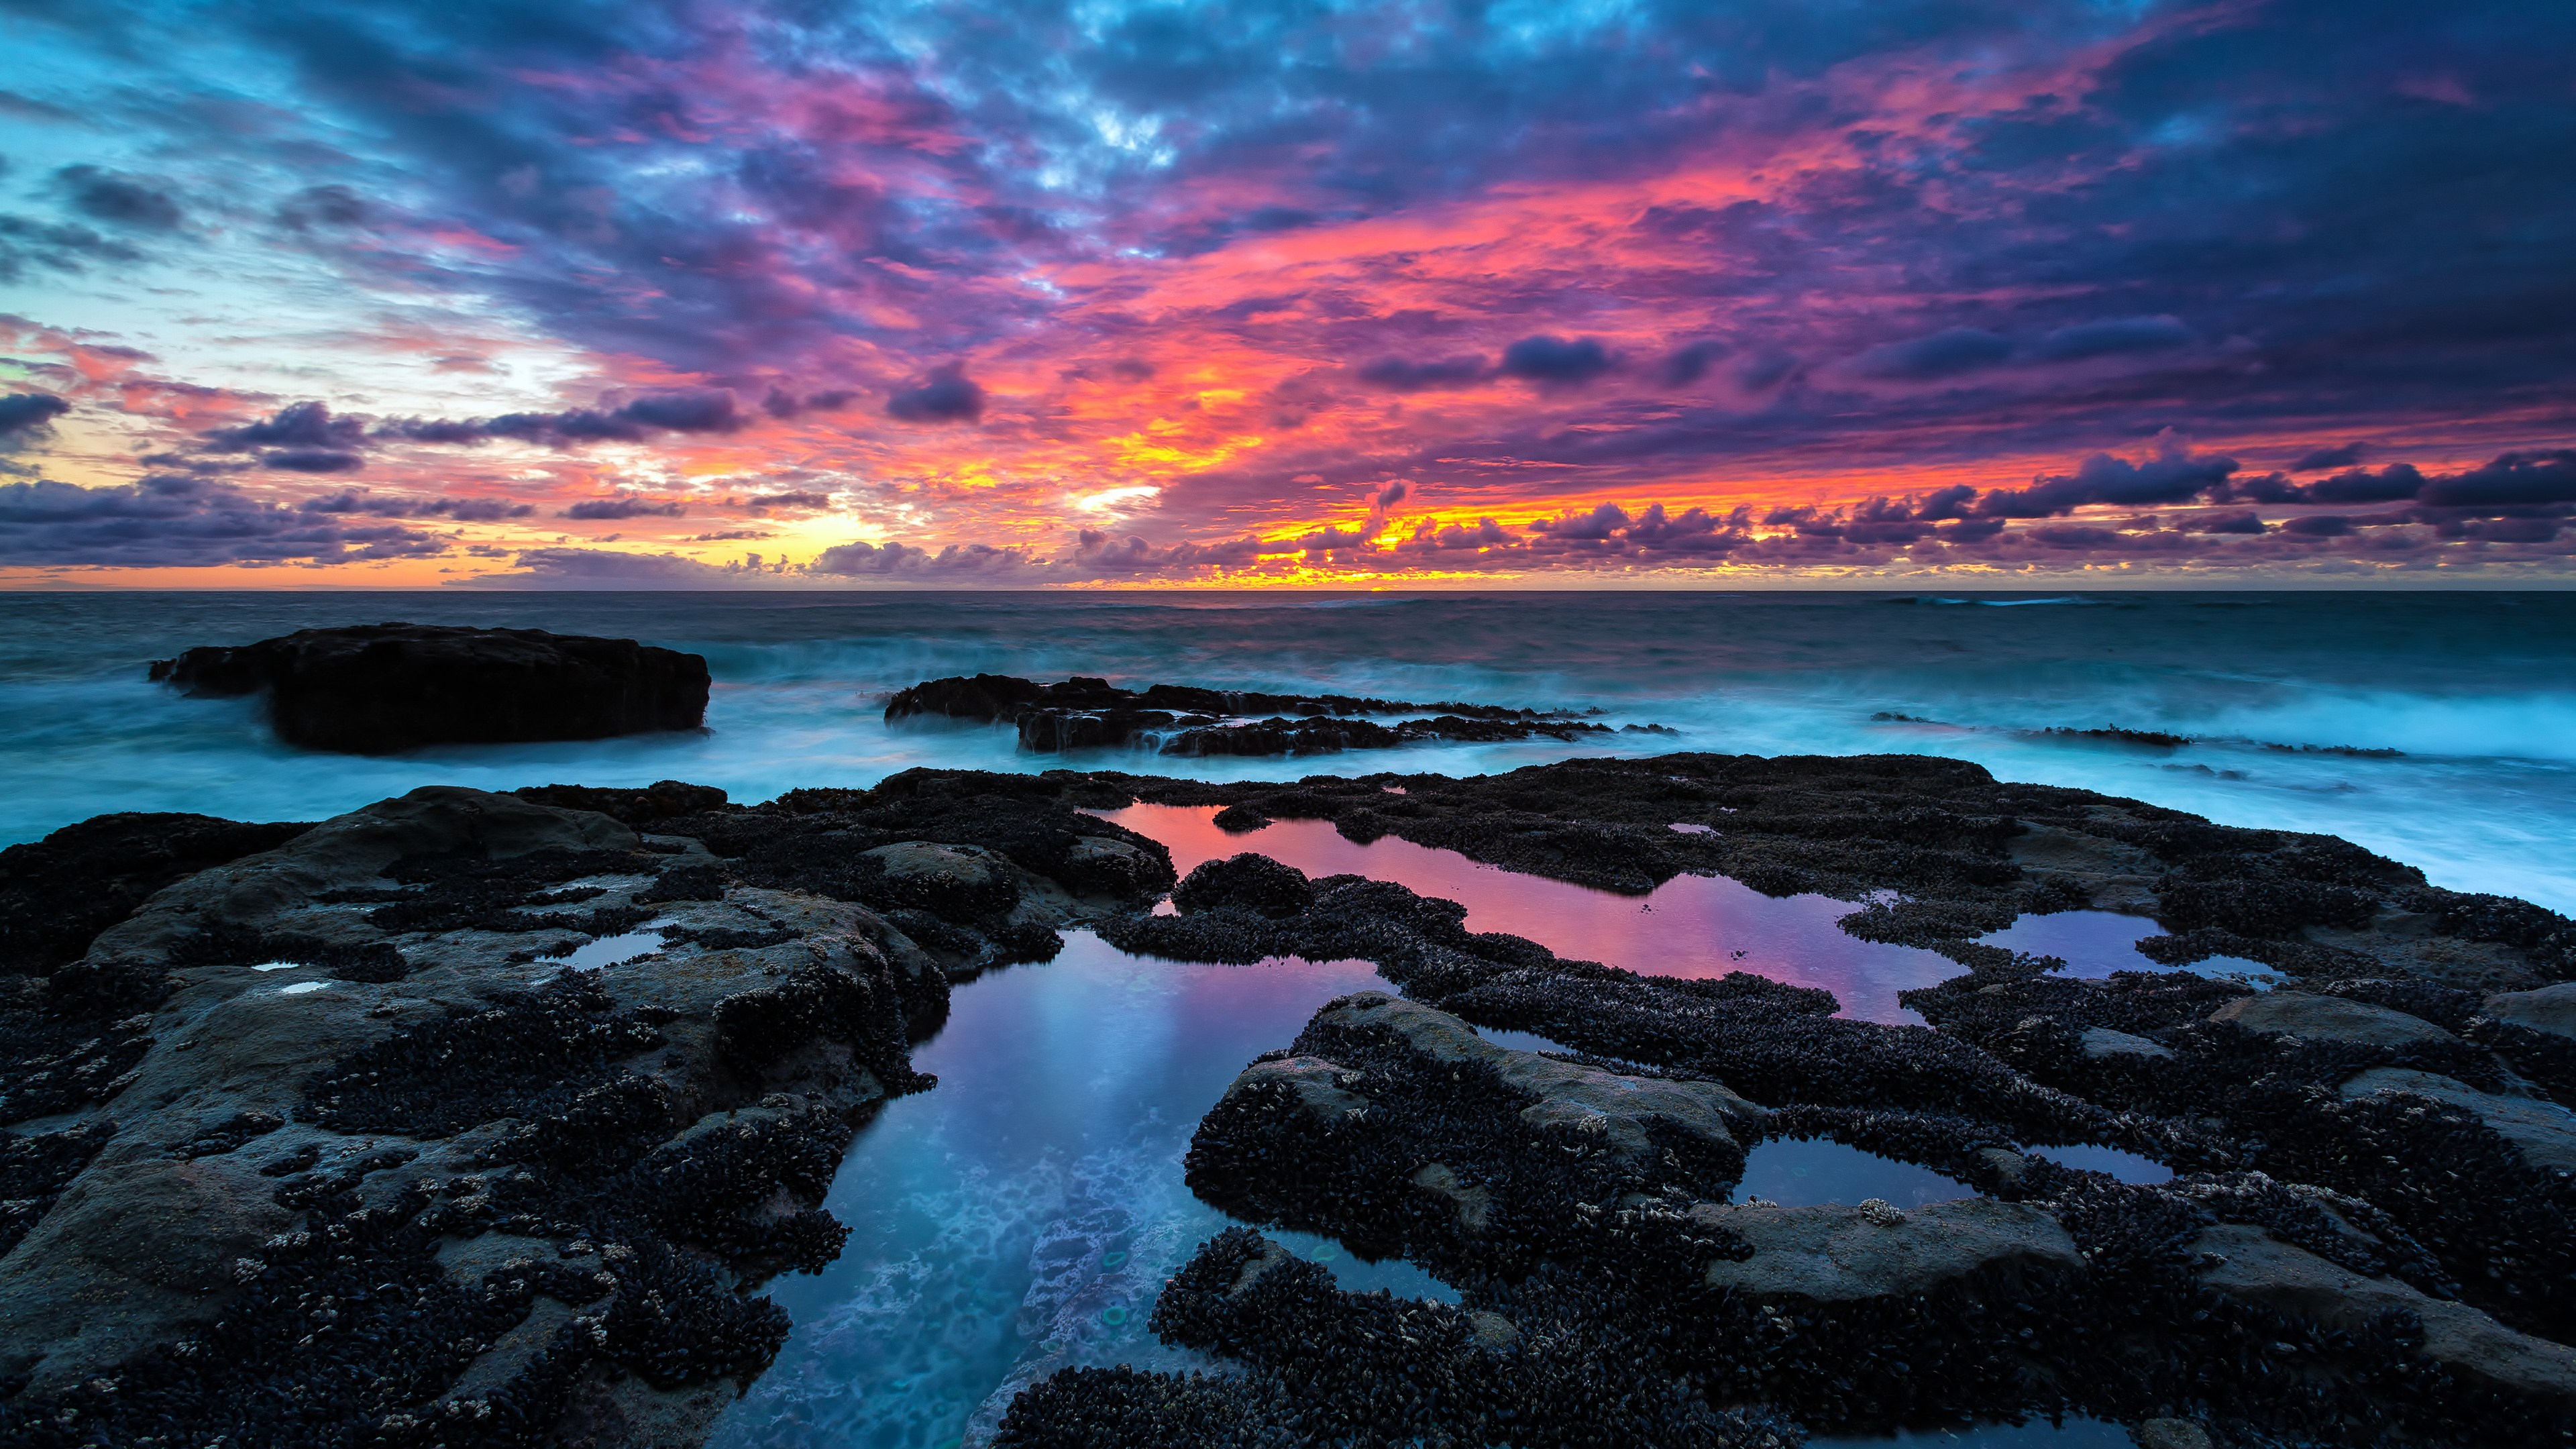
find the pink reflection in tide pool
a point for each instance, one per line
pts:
(1690, 926)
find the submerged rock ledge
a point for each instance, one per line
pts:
(472, 1118)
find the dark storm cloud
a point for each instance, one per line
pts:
(1556, 361)
(25, 413)
(944, 395)
(115, 199)
(179, 521)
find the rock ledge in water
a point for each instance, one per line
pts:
(1181, 720)
(379, 688)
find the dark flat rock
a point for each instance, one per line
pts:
(382, 688)
(1188, 722)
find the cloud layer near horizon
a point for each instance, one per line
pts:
(722, 292)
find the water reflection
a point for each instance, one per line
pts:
(2093, 944)
(2038, 1434)
(2130, 1167)
(1692, 926)
(1803, 1172)
(1022, 1215)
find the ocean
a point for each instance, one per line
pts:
(2466, 702)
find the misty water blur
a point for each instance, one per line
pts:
(2473, 688)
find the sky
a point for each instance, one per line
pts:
(1026, 293)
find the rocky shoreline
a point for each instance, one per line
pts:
(1188, 722)
(335, 1134)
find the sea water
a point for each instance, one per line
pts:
(2477, 691)
(1022, 1216)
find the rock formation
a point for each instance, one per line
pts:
(377, 689)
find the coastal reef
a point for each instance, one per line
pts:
(2364, 1241)
(469, 1118)
(374, 689)
(1190, 722)
(472, 1118)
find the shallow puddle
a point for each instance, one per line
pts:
(2123, 1165)
(1022, 1216)
(608, 951)
(2093, 944)
(1520, 1041)
(2039, 1434)
(1691, 925)
(1806, 1171)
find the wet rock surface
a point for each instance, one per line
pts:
(382, 688)
(1185, 721)
(461, 1194)
(375, 1166)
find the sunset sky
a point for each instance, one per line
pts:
(812, 294)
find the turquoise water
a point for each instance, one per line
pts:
(2474, 689)
(1021, 1216)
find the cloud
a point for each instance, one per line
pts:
(967, 562)
(604, 568)
(1098, 554)
(119, 200)
(1690, 362)
(944, 395)
(1951, 352)
(323, 207)
(314, 460)
(625, 506)
(1556, 361)
(2114, 338)
(792, 498)
(2513, 479)
(298, 425)
(2171, 474)
(1600, 523)
(56, 246)
(678, 410)
(2359, 485)
(2344, 456)
(381, 505)
(169, 521)
(1441, 374)
(24, 414)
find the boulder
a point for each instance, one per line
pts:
(1585, 1098)
(2102, 1041)
(2551, 1008)
(1833, 1253)
(2247, 1263)
(2329, 1018)
(381, 688)
(2544, 1131)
